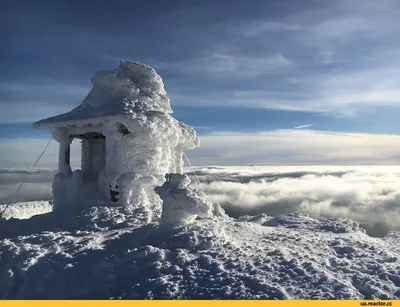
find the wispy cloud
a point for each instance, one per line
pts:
(257, 28)
(278, 147)
(303, 126)
(219, 65)
(21, 153)
(336, 57)
(30, 100)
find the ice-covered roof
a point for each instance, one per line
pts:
(127, 91)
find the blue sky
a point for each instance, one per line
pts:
(229, 67)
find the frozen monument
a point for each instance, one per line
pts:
(181, 205)
(129, 140)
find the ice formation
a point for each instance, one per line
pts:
(181, 205)
(129, 140)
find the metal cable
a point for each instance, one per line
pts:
(22, 183)
(194, 172)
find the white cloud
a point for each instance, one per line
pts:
(283, 52)
(365, 194)
(376, 87)
(23, 112)
(296, 147)
(37, 186)
(257, 28)
(228, 65)
(303, 126)
(44, 85)
(31, 100)
(322, 51)
(278, 147)
(343, 93)
(21, 153)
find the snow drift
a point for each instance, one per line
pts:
(106, 252)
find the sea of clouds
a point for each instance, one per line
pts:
(367, 194)
(37, 185)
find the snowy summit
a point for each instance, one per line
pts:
(129, 224)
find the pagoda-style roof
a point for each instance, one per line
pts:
(131, 91)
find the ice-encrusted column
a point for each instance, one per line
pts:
(64, 155)
(85, 156)
(67, 184)
(179, 159)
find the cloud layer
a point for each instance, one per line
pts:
(369, 195)
(37, 185)
(294, 147)
(335, 56)
(277, 147)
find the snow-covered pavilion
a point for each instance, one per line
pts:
(129, 140)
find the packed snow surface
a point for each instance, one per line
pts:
(107, 252)
(25, 210)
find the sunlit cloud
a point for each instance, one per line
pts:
(296, 147)
(369, 195)
(304, 126)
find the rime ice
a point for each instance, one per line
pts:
(129, 140)
(181, 205)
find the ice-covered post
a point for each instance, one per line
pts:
(66, 185)
(181, 204)
(64, 155)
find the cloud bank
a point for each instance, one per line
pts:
(276, 147)
(37, 185)
(370, 195)
(17, 157)
(296, 147)
(366, 194)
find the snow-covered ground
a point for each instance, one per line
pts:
(25, 210)
(115, 253)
